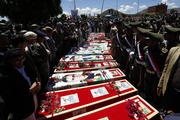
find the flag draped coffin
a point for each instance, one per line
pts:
(81, 66)
(99, 41)
(71, 102)
(84, 58)
(119, 111)
(97, 44)
(75, 79)
(92, 52)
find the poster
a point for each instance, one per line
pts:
(74, 14)
(99, 92)
(122, 85)
(145, 110)
(69, 99)
(74, 79)
(62, 80)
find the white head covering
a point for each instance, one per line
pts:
(30, 35)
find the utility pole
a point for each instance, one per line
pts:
(116, 7)
(74, 5)
(102, 6)
(116, 4)
(138, 7)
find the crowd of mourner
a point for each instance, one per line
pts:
(145, 47)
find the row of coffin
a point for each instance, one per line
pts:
(89, 86)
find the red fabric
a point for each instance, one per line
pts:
(118, 112)
(119, 73)
(85, 96)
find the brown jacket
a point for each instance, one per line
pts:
(171, 59)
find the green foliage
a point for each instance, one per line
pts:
(83, 16)
(29, 11)
(173, 11)
(63, 17)
(98, 16)
(146, 15)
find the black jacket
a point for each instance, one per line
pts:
(15, 91)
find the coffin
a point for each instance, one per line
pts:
(118, 111)
(81, 66)
(71, 102)
(84, 58)
(75, 79)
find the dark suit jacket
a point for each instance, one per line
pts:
(15, 91)
(31, 68)
(1, 58)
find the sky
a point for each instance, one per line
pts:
(93, 7)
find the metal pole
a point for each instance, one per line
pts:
(138, 7)
(102, 6)
(74, 5)
(116, 4)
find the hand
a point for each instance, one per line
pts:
(35, 87)
(170, 112)
(66, 38)
(38, 86)
(159, 91)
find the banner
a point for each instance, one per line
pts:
(74, 14)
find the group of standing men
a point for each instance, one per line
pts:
(148, 52)
(146, 48)
(28, 55)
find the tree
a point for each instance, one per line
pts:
(98, 15)
(83, 16)
(30, 11)
(63, 17)
(172, 11)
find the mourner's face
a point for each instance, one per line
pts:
(148, 42)
(22, 45)
(58, 28)
(75, 78)
(134, 30)
(18, 61)
(152, 43)
(4, 41)
(140, 37)
(170, 37)
(30, 41)
(41, 39)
